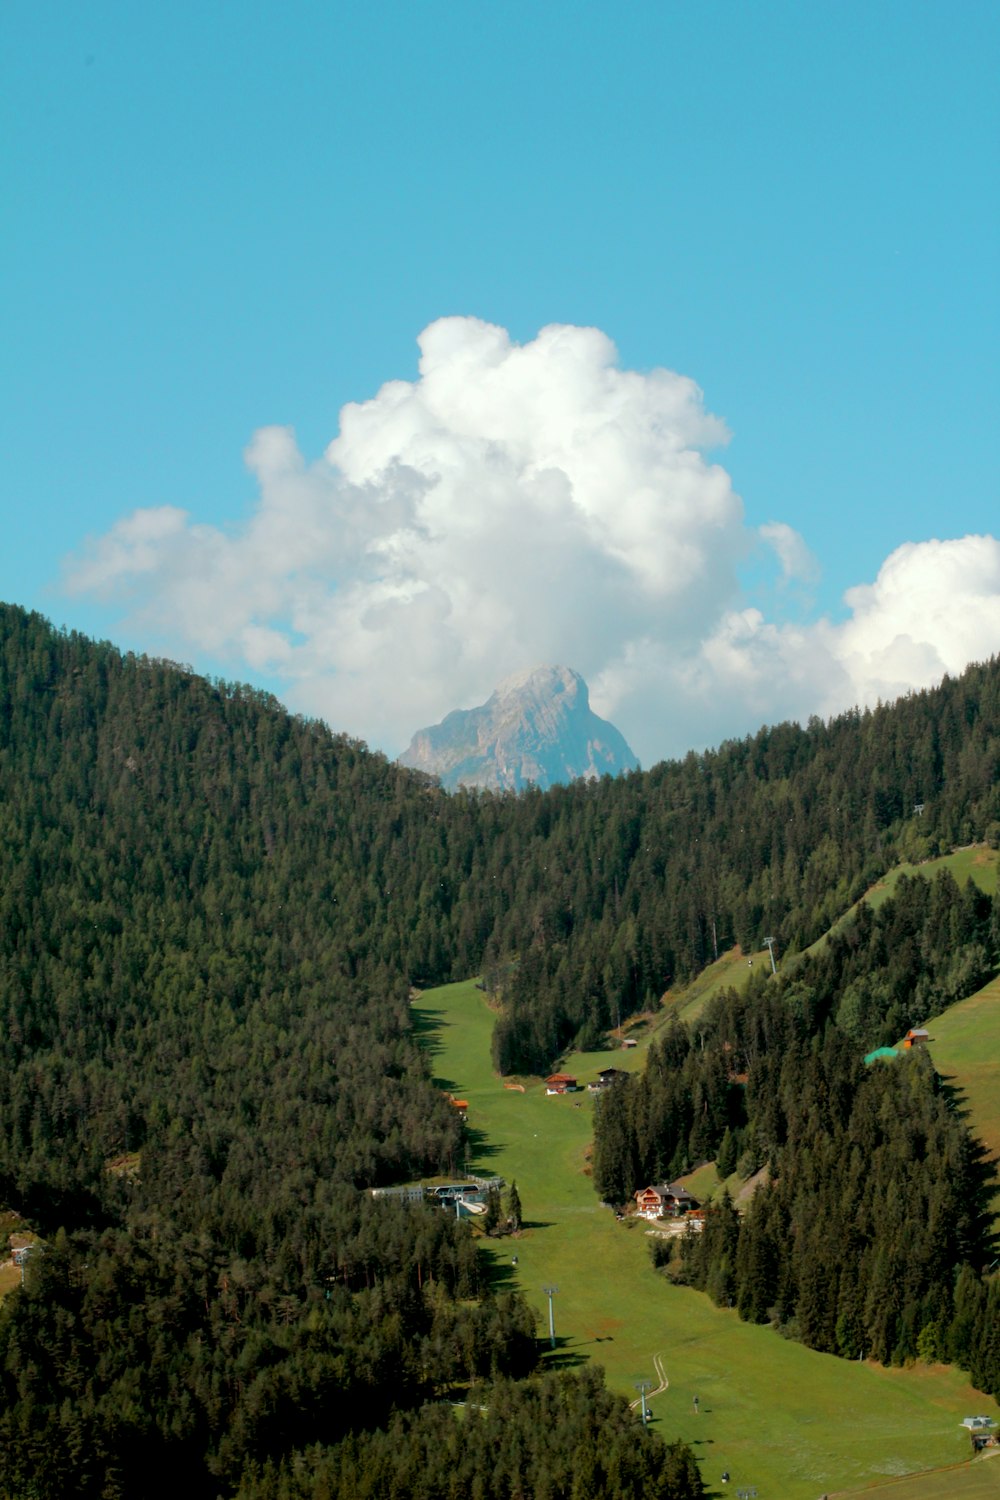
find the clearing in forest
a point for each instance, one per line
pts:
(976, 862)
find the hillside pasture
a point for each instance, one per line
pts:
(965, 1049)
(734, 967)
(771, 1412)
(979, 1480)
(976, 862)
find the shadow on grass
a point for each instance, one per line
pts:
(983, 1169)
(428, 1029)
(562, 1357)
(428, 1026)
(956, 1097)
(500, 1270)
(480, 1147)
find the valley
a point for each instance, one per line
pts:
(772, 1413)
(214, 917)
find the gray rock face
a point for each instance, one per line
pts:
(538, 726)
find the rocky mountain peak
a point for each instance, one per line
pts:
(537, 726)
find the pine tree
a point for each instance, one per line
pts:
(491, 1218)
(725, 1163)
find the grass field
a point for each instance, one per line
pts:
(965, 1048)
(972, 1481)
(976, 862)
(733, 968)
(776, 1415)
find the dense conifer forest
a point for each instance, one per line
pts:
(211, 914)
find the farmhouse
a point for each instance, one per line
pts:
(669, 1198)
(560, 1083)
(606, 1078)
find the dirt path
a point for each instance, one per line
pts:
(661, 1376)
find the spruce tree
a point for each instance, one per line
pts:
(514, 1209)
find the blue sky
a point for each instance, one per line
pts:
(235, 217)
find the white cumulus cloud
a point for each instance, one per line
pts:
(517, 504)
(797, 562)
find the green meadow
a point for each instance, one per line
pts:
(972, 1481)
(965, 1047)
(792, 1422)
(976, 862)
(733, 968)
(965, 1039)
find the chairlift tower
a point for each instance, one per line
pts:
(642, 1386)
(550, 1292)
(769, 943)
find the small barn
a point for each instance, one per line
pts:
(606, 1079)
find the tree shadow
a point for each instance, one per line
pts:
(563, 1357)
(982, 1170)
(955, 1096)
(427, 1027)
(500, 1272)
(479, 1145)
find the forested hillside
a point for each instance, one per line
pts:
(207, 918)
(644, 880)
(872, 1231)
(211, 913)
(584, 902)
